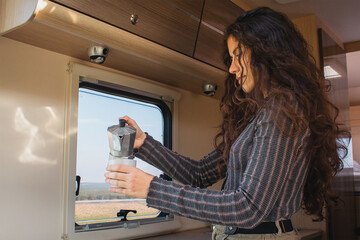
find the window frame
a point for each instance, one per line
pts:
(166, 113)
(82, 75)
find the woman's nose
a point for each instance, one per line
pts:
(233, 68)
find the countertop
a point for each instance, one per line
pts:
(205, 234)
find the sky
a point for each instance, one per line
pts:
(98, 111)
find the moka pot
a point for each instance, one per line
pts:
(121, 142)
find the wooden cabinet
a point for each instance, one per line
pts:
(59, 28)
(217, 15)
(70, 27)
(172, 23)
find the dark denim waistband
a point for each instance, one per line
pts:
(263, 228)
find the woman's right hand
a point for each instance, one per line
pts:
(140, 135)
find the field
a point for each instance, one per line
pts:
(97, 191)
(104, 211)
(96, 204)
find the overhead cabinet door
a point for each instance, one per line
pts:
(218, 14)
(172, 23)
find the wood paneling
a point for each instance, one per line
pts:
(352, 46)
(172, 23)
(242, 4)
(355, 116)
(308, 27)
(216, 17)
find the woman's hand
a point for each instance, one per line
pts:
(140, 135)
(128, 180)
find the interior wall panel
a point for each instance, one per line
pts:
(32, 106)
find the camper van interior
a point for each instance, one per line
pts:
(70, 69)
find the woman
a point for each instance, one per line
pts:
(277, 145)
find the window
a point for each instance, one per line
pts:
(98, 108)
(346, 157)
(90, 109)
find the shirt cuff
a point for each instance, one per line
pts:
(146, 147)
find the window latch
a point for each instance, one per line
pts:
(124, 213)
(78, 179)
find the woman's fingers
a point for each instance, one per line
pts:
(140, 135)
(118, 175)
(129, 180)
(115, 175)
(130, 121)
(116, 182)
(118, 190)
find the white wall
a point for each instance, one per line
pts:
(31, 146)
(32, 106)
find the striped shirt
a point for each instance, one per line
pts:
(265, 176)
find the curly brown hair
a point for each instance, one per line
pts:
(284, 69)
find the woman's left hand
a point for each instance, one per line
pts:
(128, 180)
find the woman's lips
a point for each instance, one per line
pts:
(241, 79)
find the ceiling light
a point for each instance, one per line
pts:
(329, 72)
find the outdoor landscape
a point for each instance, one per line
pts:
(96, 204)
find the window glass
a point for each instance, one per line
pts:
(96, 112)
(346, 157)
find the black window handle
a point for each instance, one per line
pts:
(124, 213)
(78, 179)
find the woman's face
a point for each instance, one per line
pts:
(245, 79)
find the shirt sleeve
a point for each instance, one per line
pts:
(269, 163)
(203, 173)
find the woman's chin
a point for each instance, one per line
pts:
(244, 88)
